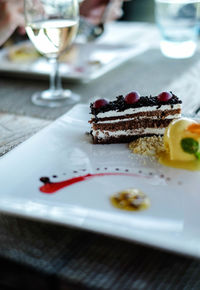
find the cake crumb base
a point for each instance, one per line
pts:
(148, 146)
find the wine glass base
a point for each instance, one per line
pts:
(56, 99)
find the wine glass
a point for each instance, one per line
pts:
(52, 25)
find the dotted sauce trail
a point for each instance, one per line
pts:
(50, 187)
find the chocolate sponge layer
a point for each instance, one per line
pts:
(130, 125)
(120, 139)
(160, 114)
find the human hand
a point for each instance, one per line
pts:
(95, 10)
(11, 16)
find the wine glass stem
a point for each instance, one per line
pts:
(55, 79)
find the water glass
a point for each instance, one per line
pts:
(178, 22)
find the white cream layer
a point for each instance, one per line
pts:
(142, 131)
(175, 116)
(131, 111)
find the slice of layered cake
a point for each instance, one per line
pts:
(132, 116)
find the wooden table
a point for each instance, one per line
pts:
(149, 73)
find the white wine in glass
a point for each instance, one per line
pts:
(51, 26)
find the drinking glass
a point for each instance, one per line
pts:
(178, 22)
(52, 25)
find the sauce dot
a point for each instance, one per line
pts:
(130, 199)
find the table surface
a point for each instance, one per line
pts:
(53, 255)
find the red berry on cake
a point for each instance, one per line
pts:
(164, 96)
(100, 103)
(132, 98)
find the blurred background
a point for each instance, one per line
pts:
(133, 10)
(139, 10)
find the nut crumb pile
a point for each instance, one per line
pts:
(149, 146)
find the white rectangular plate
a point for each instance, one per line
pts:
(63, 151)
(85, 61)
